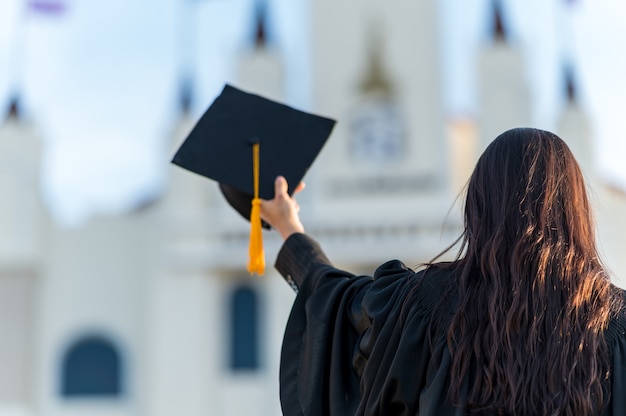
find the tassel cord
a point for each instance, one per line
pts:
(256, 261)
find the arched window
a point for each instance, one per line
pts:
(244, 347)
(91, 367)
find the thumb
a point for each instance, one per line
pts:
(280, 186)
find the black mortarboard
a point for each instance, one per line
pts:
(220, 146)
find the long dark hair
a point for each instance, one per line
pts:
(534, 297)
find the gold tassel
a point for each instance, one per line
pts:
(256, 261)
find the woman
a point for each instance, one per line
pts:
(524, 322)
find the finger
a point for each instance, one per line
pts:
(299, 188)
(280, 186)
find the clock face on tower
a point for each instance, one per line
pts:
(377, 132)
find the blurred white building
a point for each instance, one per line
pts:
(153, 313)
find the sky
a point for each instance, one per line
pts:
(101, 79)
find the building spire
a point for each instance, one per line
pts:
(186, 96)
(260, 34)
(570, 86)
(499, 32)
(14, 111)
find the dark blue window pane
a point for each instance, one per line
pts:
(91, 367)
(244, 327)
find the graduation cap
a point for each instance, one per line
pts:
(244, 141)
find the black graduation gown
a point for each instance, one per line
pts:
(361, 345)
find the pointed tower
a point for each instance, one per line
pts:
(20, 207)
(21, 231)
(573, 127)
(608, 202)
(504, 96)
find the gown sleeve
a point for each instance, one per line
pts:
(314, 377)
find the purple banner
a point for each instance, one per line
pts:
(47, 6)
